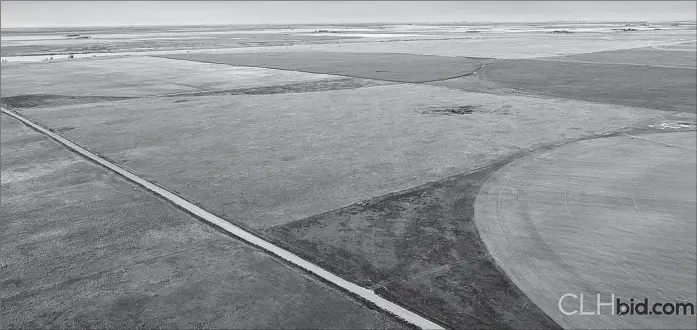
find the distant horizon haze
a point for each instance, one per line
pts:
(66, 14)
(144, 26)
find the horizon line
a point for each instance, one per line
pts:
(345, 23)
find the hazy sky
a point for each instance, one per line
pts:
(119, 13)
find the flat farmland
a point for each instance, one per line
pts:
(137, 76)
(624, 204)
(499, 46)
(409, 68)
(265, 160)
(373, 154)
(683, 46)
(416, 39)
(82, 247)
(420, 247)
(670, 89)
(643, 56)
(129, 39)
(269, 161)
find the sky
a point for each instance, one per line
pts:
(129, 13)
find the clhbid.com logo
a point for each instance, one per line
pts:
(619, 307)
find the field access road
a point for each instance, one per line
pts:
(83, 247)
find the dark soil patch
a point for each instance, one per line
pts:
(39, 100)
(421, 248)
(662, 88)
(450, 111)
(61, 129)
(686, 125)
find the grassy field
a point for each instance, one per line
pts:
(670, 89)
(266, 160)
(419, 247)
(81, 247)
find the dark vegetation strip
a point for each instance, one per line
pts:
(38, 100)
(421, 248)
(299, 87)
(442, 268)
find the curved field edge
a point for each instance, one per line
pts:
(420, 247)
(442, 268)
(514, 254)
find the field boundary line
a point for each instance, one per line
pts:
(322, 73)
(363, 293)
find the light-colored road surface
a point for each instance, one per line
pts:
(80, 247)
(604, 216)
(248, 237)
